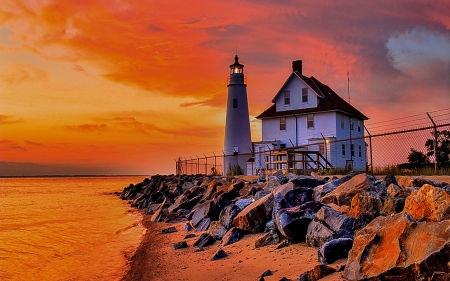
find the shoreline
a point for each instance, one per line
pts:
(156, 259)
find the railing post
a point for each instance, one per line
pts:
(326, 151)
(434, 144)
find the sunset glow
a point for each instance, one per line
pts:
(126, 87)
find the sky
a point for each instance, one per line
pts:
(127, 87)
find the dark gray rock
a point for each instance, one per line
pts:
(205, 210)
(242, 203)
(220, 254)
(228, 214)
(232, 236)
(334, 250)
(204, 240)
(169, 230)
(388, 180)
(339, 223)
(188, 227)
(190, 235)
(180, 245)
(299, 196)
(269, 238)
(217, 230)
(260, 194)
(317, 234)
(293, 222)
(254, 217)
(203, 225)
(307, 181)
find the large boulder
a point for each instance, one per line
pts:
(228, 214)
(398, 246)
(328, 224)
(293, 222)
(254, 217)
(205, 210)
(211, 190)
(407, 181)
(429, 203)
(344, 193)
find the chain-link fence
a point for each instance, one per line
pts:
(407, 143)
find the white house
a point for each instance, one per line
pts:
(322, 129)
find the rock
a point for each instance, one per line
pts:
(318, 272)
(447, 188)
(242, 203)
(220, 254)
(394, 190)
(204, 240)
(283, 189)
(283, 244)
(255, 215)
(429, 203)
(260, 194)
(228, 214)
(212, 187)
(344, 193)
(203, 225)
(270, 185)
(205, 210)
(399, 246)
(159, 215)
(270, 225)
(363, 219)
(217, 230)
(388, 180)
(392, 206)
(188, 227)
(307, 181)
(322, 190)
(269, 238)
(328, 225)
(187, 185)
(407, 181)
(232, 236)
(298, 196)
(334, 250)
(190, 235)
(341, 209)
(180, 245)
(293, 222)
(169, 230)
(365, 202)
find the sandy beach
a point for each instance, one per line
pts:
(155, 259)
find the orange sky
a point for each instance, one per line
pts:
(125, 87)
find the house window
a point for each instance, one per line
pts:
(322, 148)
(359, 126)
(310, 119)
(282, 145)
(360, 151)
(342, 122)
(235, 104)
(305, 95)
(343, 150)
(282, 123)
(352, 149)
(287, 97)
(351, 124)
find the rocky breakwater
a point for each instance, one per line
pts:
(392, 228)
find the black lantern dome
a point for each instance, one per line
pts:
(236, 67)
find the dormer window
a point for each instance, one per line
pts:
(305, 95)
(287, 97)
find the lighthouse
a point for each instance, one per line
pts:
(238, 143)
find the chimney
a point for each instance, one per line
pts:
(297, 66)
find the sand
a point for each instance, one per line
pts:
(155, 259)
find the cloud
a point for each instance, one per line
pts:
(8, 145)
(15, 74)
(88, 128)
(218, 100)
(32, 143)
(8, 119)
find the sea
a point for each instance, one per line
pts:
(66, 228)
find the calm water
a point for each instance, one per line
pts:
(66, 228)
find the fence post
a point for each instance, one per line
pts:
(326, 151)
(370, 143)
(434, 144)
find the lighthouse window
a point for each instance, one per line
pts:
(235, 104)
(287, 97)
(305, 95)
(282, 123)
(360, 151)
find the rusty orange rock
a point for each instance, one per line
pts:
(429, 203)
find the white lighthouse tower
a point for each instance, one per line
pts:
(238, 143)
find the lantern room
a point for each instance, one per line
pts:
(236, 67)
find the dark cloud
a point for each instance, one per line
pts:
(8, 119)
(153, 27)
(88, 128)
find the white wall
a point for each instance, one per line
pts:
(295, 86)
